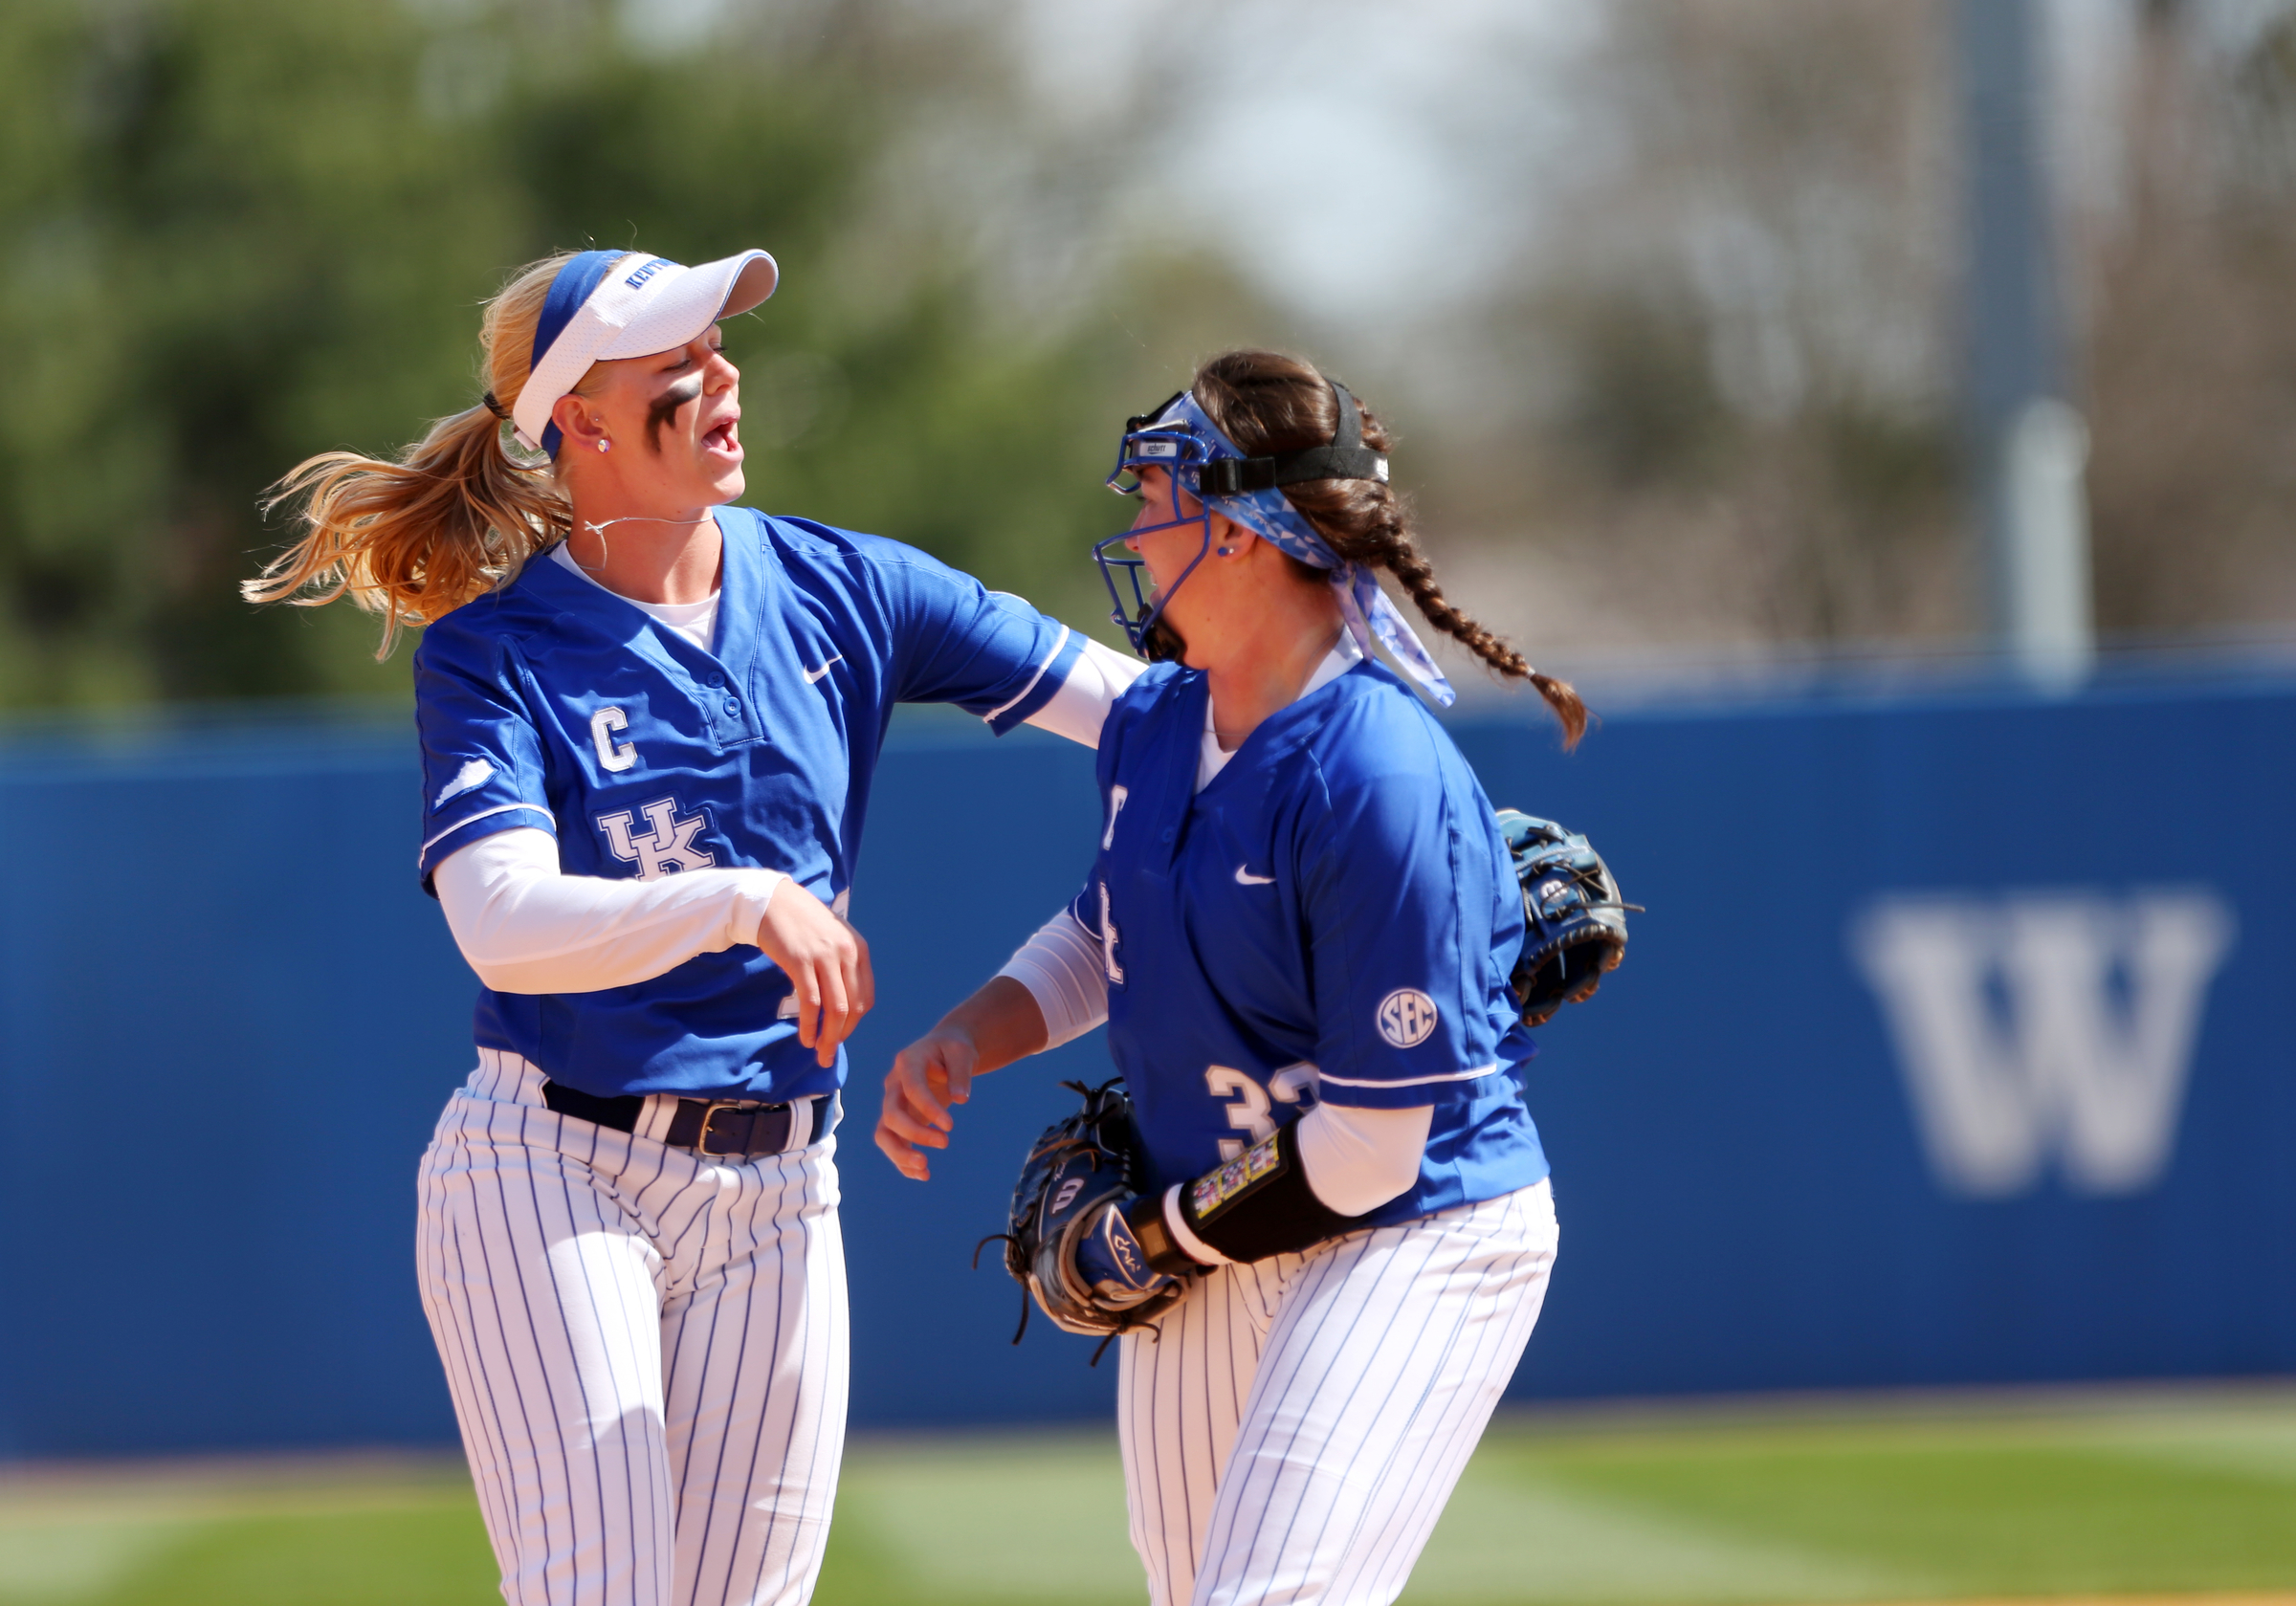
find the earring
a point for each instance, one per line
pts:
(1228, 552)
(606, 445)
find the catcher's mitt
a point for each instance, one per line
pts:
(1087, 1161)
(1575, 921)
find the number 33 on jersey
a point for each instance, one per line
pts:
(1316, 924)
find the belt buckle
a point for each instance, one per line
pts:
(709, 1119)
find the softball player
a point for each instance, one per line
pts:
(649, 721)
(1299, 930)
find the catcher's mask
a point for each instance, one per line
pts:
(1206, 467)
(1157, 439)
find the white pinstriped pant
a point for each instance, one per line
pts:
(1294, 1426)
(647, 1350)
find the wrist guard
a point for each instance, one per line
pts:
(1255, 1205)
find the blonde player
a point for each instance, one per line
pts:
(649, 721)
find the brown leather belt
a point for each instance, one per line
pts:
(706, 1126)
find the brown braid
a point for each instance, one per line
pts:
(1267, 403)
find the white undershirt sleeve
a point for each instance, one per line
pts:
(1080, 707)
(1061, 968)
(1358, 1159)
(526, 927)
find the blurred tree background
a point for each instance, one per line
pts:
(1726, 359)
(245, 231)
(1660, 293)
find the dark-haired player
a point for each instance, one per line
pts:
(1299, 928)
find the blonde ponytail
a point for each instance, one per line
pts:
(453, 518)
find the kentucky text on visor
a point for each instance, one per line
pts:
(609, 304)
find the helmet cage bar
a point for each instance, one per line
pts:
(1181, 453)
(1148, 599)
(1151, 442)
(1134, 617)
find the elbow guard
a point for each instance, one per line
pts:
(1256, 1205)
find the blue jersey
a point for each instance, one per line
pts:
(554, 703)
(1333, 917)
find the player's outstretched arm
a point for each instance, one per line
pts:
(828, 965)
(996, 1025)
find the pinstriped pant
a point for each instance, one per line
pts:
(646, 1348)
(1293, 1427)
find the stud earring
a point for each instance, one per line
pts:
(1228, 552)
(606, 445)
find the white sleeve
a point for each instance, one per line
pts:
(1080, 707)
(1358, 1159)
(525, 926)
(1060, 966)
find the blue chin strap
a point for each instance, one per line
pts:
(1161, 439)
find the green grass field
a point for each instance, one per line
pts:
(1945, 1500)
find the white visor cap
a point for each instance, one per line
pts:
(605, 305)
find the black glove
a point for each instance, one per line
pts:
(1069, 1244)
(1574, 922)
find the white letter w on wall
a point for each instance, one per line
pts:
(2041, 1024)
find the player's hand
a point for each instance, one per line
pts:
(927, 1077)
(828, 965)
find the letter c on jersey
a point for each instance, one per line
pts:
(612, 755)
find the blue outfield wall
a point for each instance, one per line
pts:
(1953, 1048)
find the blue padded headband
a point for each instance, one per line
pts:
(573, 286)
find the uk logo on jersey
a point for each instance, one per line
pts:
(1407, 1018)
(668, 850)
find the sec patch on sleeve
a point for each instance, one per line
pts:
(1406, 1017)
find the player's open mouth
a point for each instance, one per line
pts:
(719, 437)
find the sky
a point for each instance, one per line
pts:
(1358, 155)
(1361, 154)
(1353, 154)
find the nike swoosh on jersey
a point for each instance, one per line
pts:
(1245, 878)
(812, 675)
